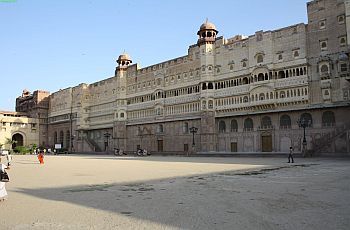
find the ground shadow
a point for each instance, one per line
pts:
(206, 201)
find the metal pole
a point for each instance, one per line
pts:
(71, 124)
(193, 144)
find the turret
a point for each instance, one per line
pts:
(207, 33)
(123, 61)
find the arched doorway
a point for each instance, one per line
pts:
(18, 140)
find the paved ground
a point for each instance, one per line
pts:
(97, 192)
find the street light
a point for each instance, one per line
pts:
(71, 143)
(107, 135)
(193, 130)
(303, 123)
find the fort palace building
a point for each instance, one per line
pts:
(242, 94)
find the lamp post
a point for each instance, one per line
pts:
(303, 123)
(193, 130)
(107, 135)
(71, 143)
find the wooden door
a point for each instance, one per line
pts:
(266, 142)
(233, 146)
(160, 145)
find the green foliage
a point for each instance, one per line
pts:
(22, 150)
(9, 141)
(32, 147)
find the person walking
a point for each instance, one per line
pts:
(41, 157)
(290, 156)
(3, 192)
(9, 159)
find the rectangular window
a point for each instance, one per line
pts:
(323, 45)
(296, 53)
(322, 24)
(343, 67)
(342, 41)
(341, 19)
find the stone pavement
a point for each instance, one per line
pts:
(105, 192)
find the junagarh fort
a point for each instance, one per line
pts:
(260, 93)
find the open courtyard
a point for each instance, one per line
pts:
(107, 192)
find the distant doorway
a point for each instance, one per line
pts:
(160, 145)
(266, 142)
(233, 146)
(18, 140)
(186, 147)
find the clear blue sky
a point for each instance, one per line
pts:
(52, 45)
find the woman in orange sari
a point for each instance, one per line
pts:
(41, 157)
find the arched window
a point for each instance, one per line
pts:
(266, 122)
(285, 122)
(234, 125)
(210, 104)
(328, 119)
(222, 127)
(324, 68)
(296, 53)
(261, 96)
(245, 99)
(260, 77)
(282, 94)
(185, 127)
(281, 74)
(160, 128)
(245, 81)
(122, 115)
(248, 124)
(260, 58)
(61, 137)
(307, 118)
(210, 85)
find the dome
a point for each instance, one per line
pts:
(207, 26)
(343, 57)
(124, 59)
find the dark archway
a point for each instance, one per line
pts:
(18, 140)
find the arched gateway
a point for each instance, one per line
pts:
(18, 140)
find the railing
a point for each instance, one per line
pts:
(326, 125)
(330, 137)
(265, 127)
(93, 145)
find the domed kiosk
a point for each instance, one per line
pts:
(124, 60)
(207, 33)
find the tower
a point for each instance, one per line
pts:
(120, 113)
(206, 43)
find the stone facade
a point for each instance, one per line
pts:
(36, 105)
(244, 94)
(19, 127)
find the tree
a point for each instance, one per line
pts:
(10, 142)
